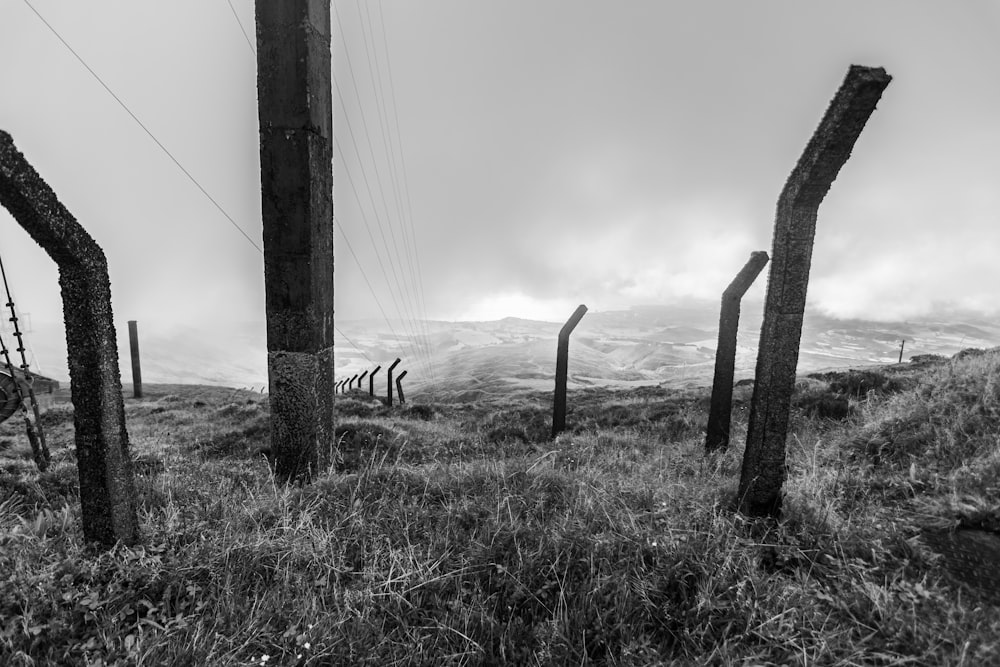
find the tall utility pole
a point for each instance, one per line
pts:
(294, 105)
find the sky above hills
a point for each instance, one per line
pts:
(516, 157)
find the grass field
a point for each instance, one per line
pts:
(458, 534)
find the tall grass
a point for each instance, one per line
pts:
(460, 535)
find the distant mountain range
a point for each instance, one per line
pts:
(664, 345)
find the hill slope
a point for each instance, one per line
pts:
(457, 533)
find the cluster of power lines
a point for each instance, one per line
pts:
(403, 278)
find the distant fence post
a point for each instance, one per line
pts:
(361, 378)
(350, 384)
(399, 386)
(371, 381)
(336, 387)
(562, 369)
(763, 470)
(389, 392)
(133, 344)
(720, 412)
(901, 344)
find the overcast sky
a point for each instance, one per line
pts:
(555, 153)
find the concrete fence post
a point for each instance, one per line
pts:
(901, 344)
(389, 391)
(107, 487)
(371, 381)
(562, 370)
(720, 411)
(133, 344)
(763, 470)
(399, 387)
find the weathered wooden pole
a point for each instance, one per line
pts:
(719, 414)
(562, 370)
(399, 387)
(901, 344)
(133, 344)
(371, 381)
(763, 471)
(294, 106)
(389, 389)
(107, 488)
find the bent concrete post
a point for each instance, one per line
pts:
(361, 378)
(719, 414)
(399, 387)
(562, 370)
(294, 105)
(763, 470)
(133, 344)
(107, 488)
(350, 383)
(371, 381)
(389, 391)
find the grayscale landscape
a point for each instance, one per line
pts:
(395, 332)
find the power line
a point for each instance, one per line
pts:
(349, 246)
(195, 181)
(375, 72)
(355, 345)
(378, 177)
(343, 232)
(242, 29)
(365, 276)
(146, 129)
(378, 256)
(406, 188)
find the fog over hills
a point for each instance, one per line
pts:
(668, 345)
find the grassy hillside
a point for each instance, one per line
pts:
(457, 534)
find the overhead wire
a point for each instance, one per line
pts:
(406, 311)
(403, 311)
(171, 156)
(375, 72)
(350, 248)
(242, 29)
(405, 180)
(353, 344)
(371, 237)
(145, 129)
(365, 276)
